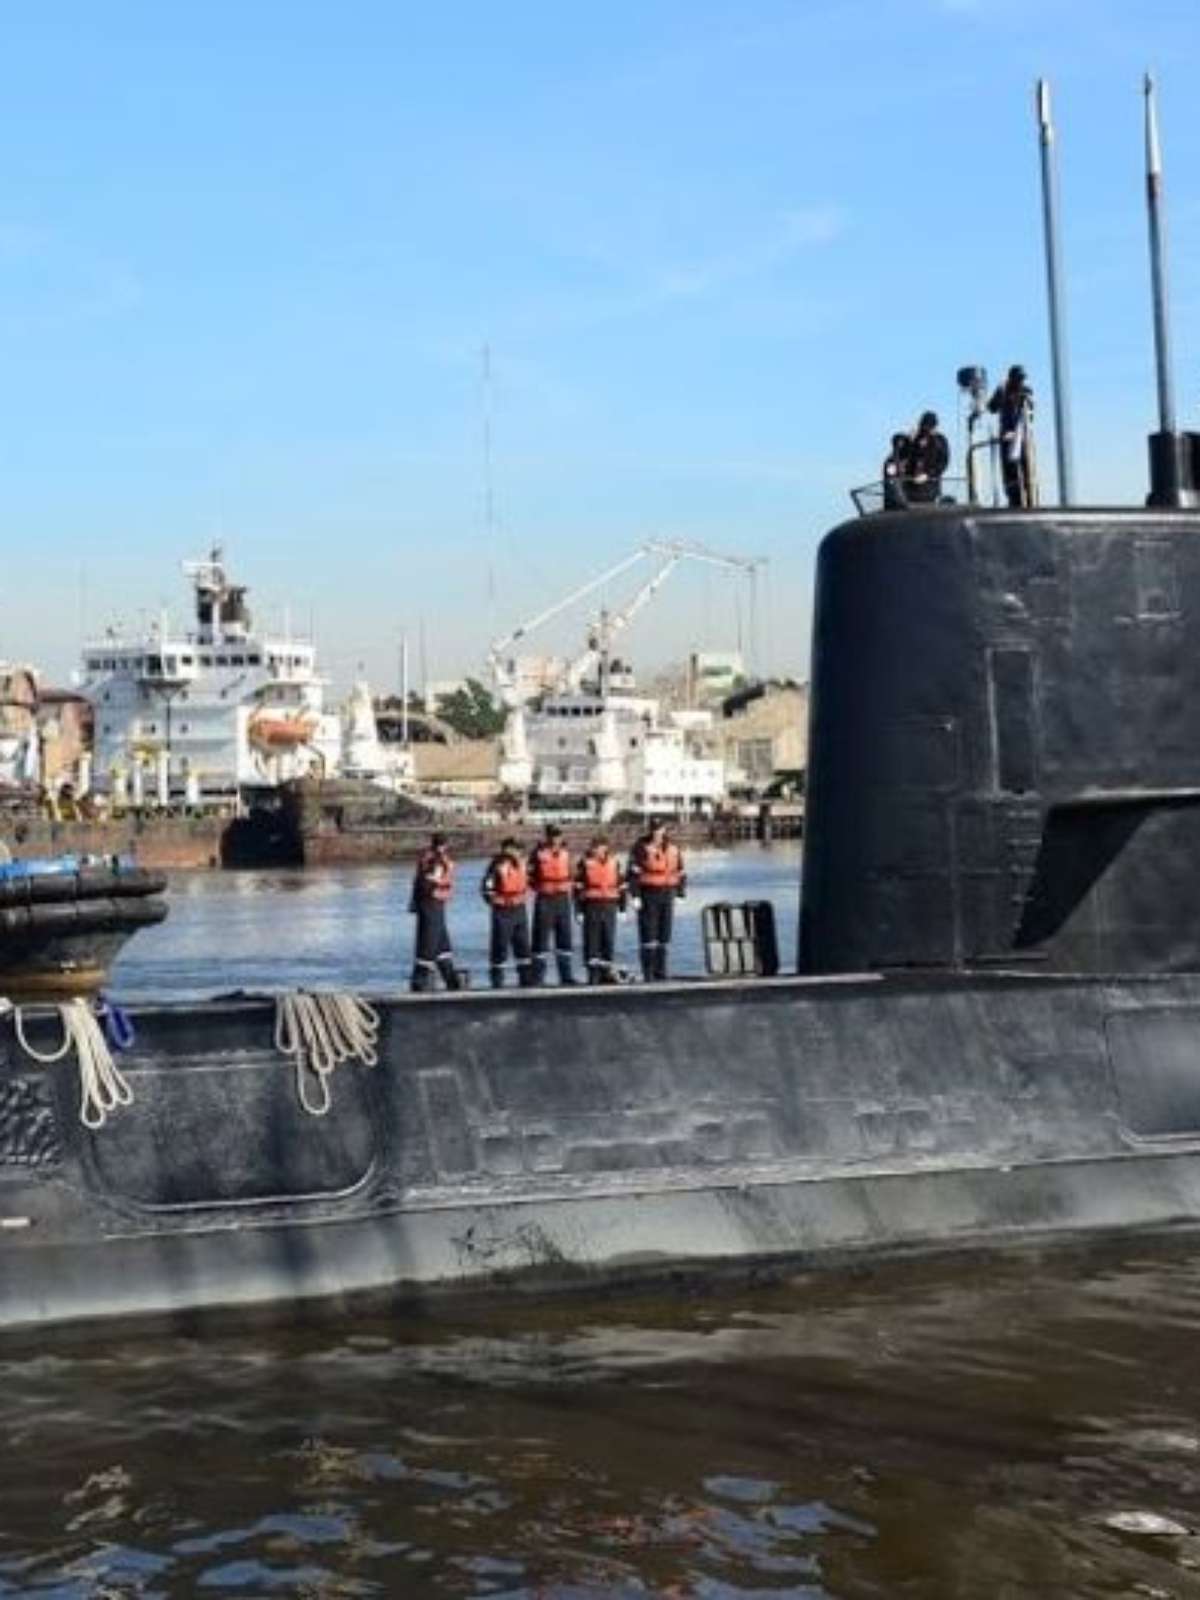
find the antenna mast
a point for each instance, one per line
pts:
(1158, 263)
(1054, 289)
(1172, 478)
(489, 489)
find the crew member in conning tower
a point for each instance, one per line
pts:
(550, 879)
(599, 895)
(505, 887)
(1012, 402)
(928, 458)
(656, 880)
(432, 887)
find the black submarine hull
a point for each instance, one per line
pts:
(562, 1140)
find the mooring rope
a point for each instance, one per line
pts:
(318, 1031)
(102, 1085)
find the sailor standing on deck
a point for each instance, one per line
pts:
(550, 879)
(432, 886)
(599, 895)
(505, 887)
(656, 881)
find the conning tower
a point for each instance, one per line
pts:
(1004, 762)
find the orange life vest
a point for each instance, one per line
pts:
(510, 883)
(436, 874)
(553, 864)
(660, 867)
(601, 879)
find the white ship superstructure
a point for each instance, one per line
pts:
(604, 750)
(593, 746)
(200, 715)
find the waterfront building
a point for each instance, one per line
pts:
(65, 738)
(19, 764)
(198, 715)
(713, 675)
(462, 776)
(763, 734)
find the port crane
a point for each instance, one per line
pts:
(600, 635)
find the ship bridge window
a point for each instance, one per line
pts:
(206, 661)
(237, 661)
(222, 661)
(172, 664)
(186, 661)
(255, 661)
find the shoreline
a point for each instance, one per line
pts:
(214, 843)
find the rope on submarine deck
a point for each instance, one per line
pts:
(102, 1085)
(318, 1031)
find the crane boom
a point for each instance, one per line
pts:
(670, 552)
(499, 646)
(682, 548)
(602, 635)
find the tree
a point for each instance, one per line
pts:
(471, 711)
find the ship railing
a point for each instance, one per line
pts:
(907, 494)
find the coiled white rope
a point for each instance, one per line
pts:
(319, 1031)
(102, 1085)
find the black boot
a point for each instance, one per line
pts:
(497, 976)
(565, 975)
(451, 976)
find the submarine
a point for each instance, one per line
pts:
(991, 1036)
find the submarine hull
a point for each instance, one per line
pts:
(588, 1138)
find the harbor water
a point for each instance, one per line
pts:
(1010, 1426)
(350, 927)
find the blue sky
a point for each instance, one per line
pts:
(249, 255)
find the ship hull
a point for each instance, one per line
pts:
(589, 1139)
(61, 931)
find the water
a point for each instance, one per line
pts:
(1028, 1428)
(350, 928)
(1022, 1427)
